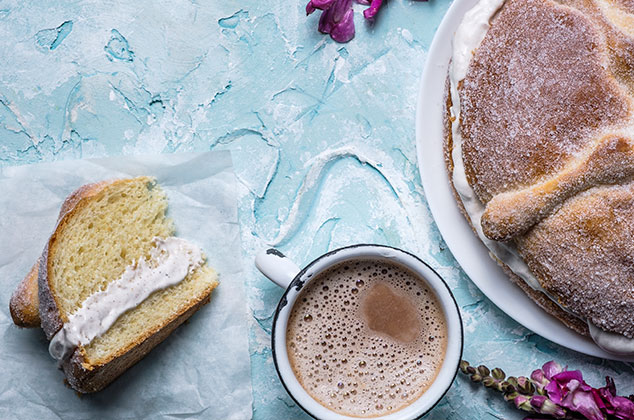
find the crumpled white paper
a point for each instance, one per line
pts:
(203, 369)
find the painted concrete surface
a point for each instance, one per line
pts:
(322, 138)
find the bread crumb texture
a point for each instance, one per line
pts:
(93, 248)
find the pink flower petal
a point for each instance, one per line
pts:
(337, 18)
(554, 392)
(610, 403)
(344, 30)
(568, 375)
(583, 403)
(370, 12)
(318, 4)
(551, 369)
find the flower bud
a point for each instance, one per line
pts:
(489, 382)
(483, 370)
(523, 403)
(498, 374)
(539, 377)
(544, 405)
(525, 386)
(511, 396)
(507, 387)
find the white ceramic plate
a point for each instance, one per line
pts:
(465, 246)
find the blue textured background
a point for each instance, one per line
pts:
(92, 78)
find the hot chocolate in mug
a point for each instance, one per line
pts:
(365, 331)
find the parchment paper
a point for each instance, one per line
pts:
(202, 370)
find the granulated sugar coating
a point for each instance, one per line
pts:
(546, 134)
(599, 283)
(535, 94)
(366, 338)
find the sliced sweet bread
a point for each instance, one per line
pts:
(104, 238)
(25, 304)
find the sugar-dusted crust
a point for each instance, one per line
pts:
(24, 304)
(544, 302)
(547, 116)
(538, 297)
(582, 253)
(537, 95)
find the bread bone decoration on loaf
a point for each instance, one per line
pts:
(112, 282)
(540, 151)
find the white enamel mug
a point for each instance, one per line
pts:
(282, 271)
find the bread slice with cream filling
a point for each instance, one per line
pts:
(113, 282)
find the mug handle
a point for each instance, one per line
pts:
(276, 267)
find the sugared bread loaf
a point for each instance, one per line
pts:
(540, 151)
(113, 282)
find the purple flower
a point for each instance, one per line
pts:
(336, 18)
(541, 377)
(557, 389)
(318, 4)
(568, 390)
(540, 380)
(610, 403)
(561, 394)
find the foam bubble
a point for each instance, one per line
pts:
(347, 366)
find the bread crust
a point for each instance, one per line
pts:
(546, 119)
(50, 317)
(538, 297)
(24, 304)
(86, 378)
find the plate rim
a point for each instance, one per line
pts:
(464, 245)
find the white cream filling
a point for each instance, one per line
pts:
(171, 260)
(468, 37)
(612, 342)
